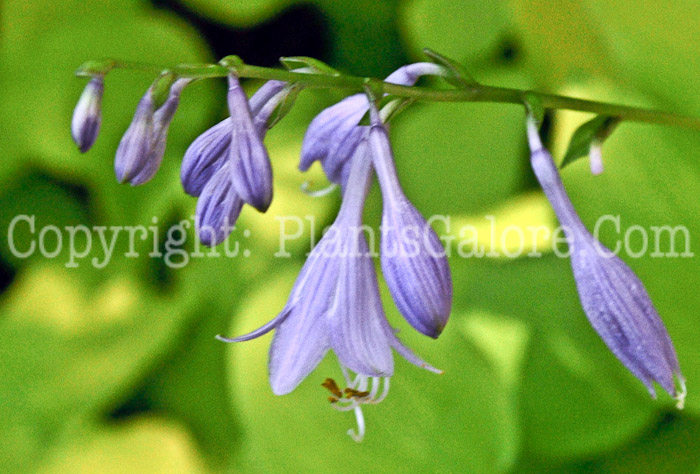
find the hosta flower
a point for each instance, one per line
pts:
(414, 263)
(614, 299)
(207, 167)
(335, 304)
(218, 208)
(251, 170)
(141, 149)
(333, 134)
(212, 148)
(87, 115)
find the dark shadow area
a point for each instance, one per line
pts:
(298, 31)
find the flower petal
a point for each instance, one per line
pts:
(135, 145)
(218, 208)
(299, 344)
(87, 116)
(250, 165)
(356, 319)
(415, 268)
(205, 156)
(414, 263)
(161, 122)
(621, 312)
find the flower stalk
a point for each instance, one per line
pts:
(473, 92)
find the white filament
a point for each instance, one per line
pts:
(318, 193)
(358, 435)
(360, 383)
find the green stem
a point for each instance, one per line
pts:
(471, 93)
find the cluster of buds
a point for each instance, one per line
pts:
(335, 303)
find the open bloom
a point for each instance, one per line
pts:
(335, 304)
(414, 263)
(334, 134)
(87, 115)
(142, 147)
(614, 299)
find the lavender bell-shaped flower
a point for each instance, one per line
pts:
(141, 149)
(414, 263)
(335, 304)
(614, 299)
(333, 134)
(87, 115)
(251, 170)
(212, 148)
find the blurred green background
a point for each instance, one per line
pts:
(116, 370)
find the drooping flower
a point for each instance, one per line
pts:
(212, 148)
(414, 262)
(613, 298)
(206, 168)
(218, 208)
(142, 147)
(335, 304)
(251, 170)
(87, 115)
(333, 134)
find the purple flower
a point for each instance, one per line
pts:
(333, 134)
(142, 147)
(218, 208)
(87, 115)
(251, 170)
(414, 263)
(335, 304)
(614, 299)
(212, 148)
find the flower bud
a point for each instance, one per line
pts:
(87, 115)
(613, 298)
(218, 208)
(212, 148)
(135, 145)
(250, 166)
(413, 261)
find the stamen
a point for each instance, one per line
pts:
(358, 435)
(384, 393)
(375, 387)
(332, 387)
(352, 393)
(355, 395)
(319, 192)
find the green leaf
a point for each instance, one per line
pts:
(71, 348)
(654, 48)
(145, 444)
(595, 130)
(575, 397)
(241, 14)
(467, 30)
(671, 447)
